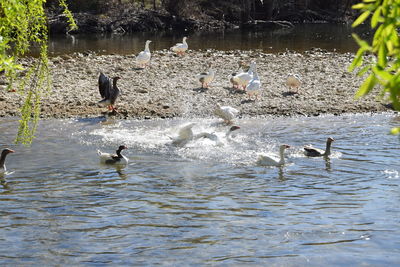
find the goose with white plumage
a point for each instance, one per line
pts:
(180, 48)
(273, 160)
(185, 135)
(143, 58)
(244, 78)
(254, 86)
(227, 113)
(214, 137)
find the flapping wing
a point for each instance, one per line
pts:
(105, 86)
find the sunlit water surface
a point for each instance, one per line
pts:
(202, 204)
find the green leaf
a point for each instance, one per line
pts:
(361, 43)
(376, 17)
(357, 61)
(358, 6)
(367, 86)
(387, 76)
(361, 18)
(382, 53)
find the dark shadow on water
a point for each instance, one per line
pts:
(327, 164)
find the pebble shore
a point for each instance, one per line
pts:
(169, 88)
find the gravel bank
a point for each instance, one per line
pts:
(169, 88)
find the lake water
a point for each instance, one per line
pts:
(202, 205)
(331, 37)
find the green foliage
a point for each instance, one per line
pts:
(384, 65)
(23, 23)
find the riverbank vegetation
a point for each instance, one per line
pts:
(384, 68)
(151, 15)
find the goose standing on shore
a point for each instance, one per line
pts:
(269, 160)
(116, 159)
(293, 81)
(254, 86)
(180, 48)
(3, 156)
(310, 151)
(244, 78)
(206, 77)
(226, 113)
(144, 57)
(109, 91)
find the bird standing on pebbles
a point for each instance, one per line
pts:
(109, 91)
(293, 81)
(254, 86)
(226, 113)
(180, 48)
(143, 58)
(206, 77)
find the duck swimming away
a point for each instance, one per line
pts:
(4, 154)
(310, 151)
(115, 159)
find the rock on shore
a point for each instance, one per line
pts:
(169, 88)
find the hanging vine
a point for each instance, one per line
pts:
(23, 24)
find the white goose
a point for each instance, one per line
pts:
(315, 152)
(269, 160)
(185, 135)
(206, 77)
(180, 48)
(293, 81)
(115, 159)
(226, 113)
(254, 86)
(244, 78)
(4, 154)
(144, 57)
(214, 137)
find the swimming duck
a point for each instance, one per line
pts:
(117, 159)
(206, 77)
(185, 135)
(315, 152)
(108, 90)
(226, 113)
(4, 154)
(254, 86)
(293, 81)
(180, 48)
(269, 160)
(144, 57)
(244, 78)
